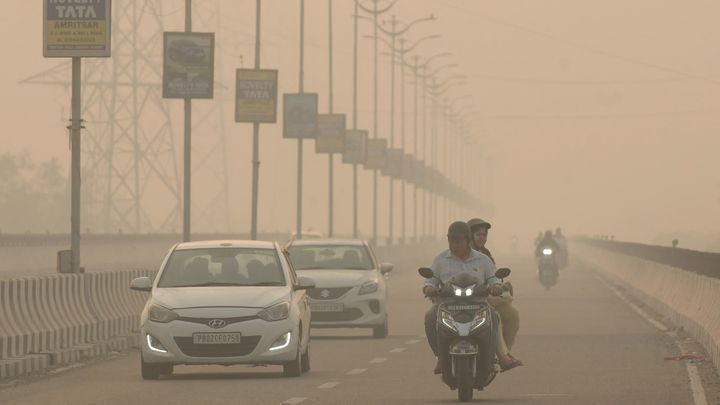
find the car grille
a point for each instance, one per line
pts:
(350, 314)
(331, 294)
(228, 321)
(246, 346)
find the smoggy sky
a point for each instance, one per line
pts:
(600, 117)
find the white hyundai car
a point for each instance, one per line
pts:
(350, 285)
(225, 302)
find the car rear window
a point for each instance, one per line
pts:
(222, 267)
(349, 257)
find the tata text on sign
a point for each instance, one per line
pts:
(355, 146)
(188, 65)
(331, 133)
(76, 28)
(300, 115)
(376, 154)
(256, 95)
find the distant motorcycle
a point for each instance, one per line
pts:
(465, 330)
(548, 266)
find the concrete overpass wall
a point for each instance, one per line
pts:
(683, 285)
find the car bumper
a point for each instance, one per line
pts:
(257, 338)
(361, 311)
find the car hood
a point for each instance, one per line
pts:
(338, 278)
(194, 297)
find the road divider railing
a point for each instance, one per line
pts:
(62, 319)
(681, 284)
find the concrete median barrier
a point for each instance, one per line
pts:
(690, 299)
(61, 319)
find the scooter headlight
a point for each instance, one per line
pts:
(447, 320)
(547, 251)
(479, 320)
(463, 291)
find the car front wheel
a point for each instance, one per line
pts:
(151, 371)
(381, 332)
(293, 368)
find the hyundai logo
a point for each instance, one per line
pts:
(325, 293)
(217, 323)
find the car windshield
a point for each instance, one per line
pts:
(308, 257)
(222, 267)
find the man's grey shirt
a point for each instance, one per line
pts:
(446, 265)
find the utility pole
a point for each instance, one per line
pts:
(256, 136)
(187, 167)
(76, 124)
(300, 140)
(355, 111)
(331, 166)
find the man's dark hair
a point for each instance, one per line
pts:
(459, 229)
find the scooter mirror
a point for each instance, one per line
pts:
(502, 272)
(426, 272)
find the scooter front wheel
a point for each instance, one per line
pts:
(464, 373)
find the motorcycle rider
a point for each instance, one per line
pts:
(562, 242)
(509, 315)
(547, 242)
(461, 258)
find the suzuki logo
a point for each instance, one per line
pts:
(217, 323)
(325, 293)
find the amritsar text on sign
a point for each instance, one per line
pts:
(331, 133)
(300, 115)
(376, 153)
(188, 65)
(256, 95)
(76, 28)
(355, 146)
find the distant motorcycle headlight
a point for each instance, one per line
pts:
(160, 314)
(368, 288)
(275, 313)
(547, 252)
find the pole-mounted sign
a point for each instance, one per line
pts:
(355, 140)
(394, 164)
(331, 133)
(376, 157)
(300, 115)
(188, 65)
(256, 93)
(76, 28)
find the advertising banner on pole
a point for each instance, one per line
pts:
(331, 133)
(420, 173)
(76, 28)
(188, 65)
(375, 154)
(354, 152)
(408, 169)
(394, 164)
(300, 115)
(256, 95)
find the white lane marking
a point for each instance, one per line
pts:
(356, 371)
(329, 385)
(378, 360)
(293, 401)
(397, 350)
(412, 342)
(696, 386)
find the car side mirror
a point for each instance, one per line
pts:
(386, 268)
(304, 283)
(141, 284)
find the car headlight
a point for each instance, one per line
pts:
(158, 313)
(368, 288)
(275, 313)
(547, 252)
(463, 291)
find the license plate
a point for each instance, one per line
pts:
(216, 338)
(327, 307)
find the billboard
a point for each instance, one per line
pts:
(256, 95)
(188, 65)
(300, 115)
(375, 151)
(355, 146)
(394, 164)
(76, 28)
(331, 133)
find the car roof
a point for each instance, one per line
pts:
(205, 244)
(328, 242)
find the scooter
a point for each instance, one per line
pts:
(465, 332)
(548, 267)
